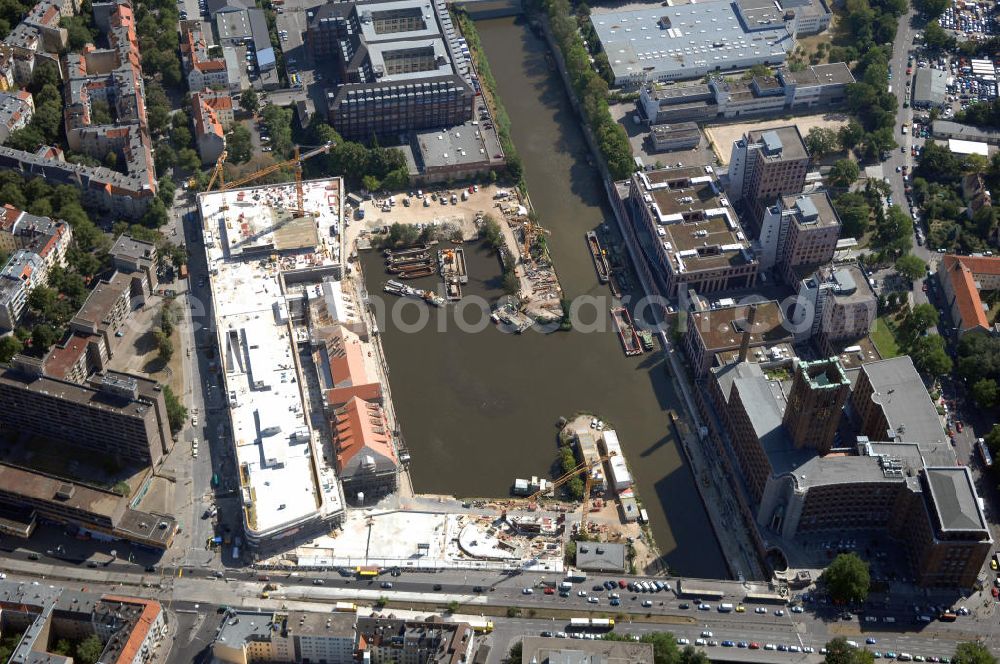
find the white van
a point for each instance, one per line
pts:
(725, 608)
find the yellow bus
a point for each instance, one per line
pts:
(367, 571)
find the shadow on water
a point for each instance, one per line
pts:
(477, 410)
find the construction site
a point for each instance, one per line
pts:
(458, 217)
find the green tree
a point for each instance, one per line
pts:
(402, 235)
(176, 412)
(929, 355)
(9, 347)
(839, 651)
(238, 143)
(844, 172)
(847, 578)
(894, 231)
(188, 160)
(821, 141)
(911, 267)
(931, 9)
(973, 653)
(984, 392)
(156, 214)
(42, 338)
(89, 650)
(164, 346)
(250, 101)
(850, 135)
(370, 183)
(278, 121)
(936, 39)
(917, 321)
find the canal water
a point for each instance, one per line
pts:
(479, 408)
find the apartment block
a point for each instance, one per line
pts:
(209, 133)
(699, 243)
(114, 76)
(399, 67)
(286, 636)
(391, 640)
(23, 272)
(38, 244)
(542, 650)
(765, 165)
(132, 629)
(121, 415)
(104, 314)
(138, 259)
(205, 70)
(798, 230)
(16, 110)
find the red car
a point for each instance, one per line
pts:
(996, 591)
(754, 645)
(622, 584)
(550, 591)
(958, 425)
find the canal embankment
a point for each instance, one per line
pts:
(729, 514)
(479, 406)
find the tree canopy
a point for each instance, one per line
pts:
(839, 651)
(973, 653)
(911, 267)
(847, 578)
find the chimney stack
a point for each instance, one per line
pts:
(745, 344)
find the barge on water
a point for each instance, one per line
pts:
(626, 331)
(452, 265)
(417, 272)
(410, 251)
(600, 258)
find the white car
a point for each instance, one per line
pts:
(707, 634)
(760, 609)
(528, 591)
(683, 642)
(593, 600)
(770, 646)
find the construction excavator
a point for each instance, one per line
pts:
(295, 161)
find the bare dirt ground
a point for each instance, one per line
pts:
(722, 136)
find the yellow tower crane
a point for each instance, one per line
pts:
(582, 467)
(295, 161)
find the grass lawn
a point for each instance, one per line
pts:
(885, 340)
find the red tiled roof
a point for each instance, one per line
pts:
(361, 425)
(961, 271)
(150, 611)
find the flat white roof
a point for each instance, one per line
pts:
(273, 438)
(959, 146)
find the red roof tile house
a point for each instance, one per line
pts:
(366, 458)
(962, 279)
